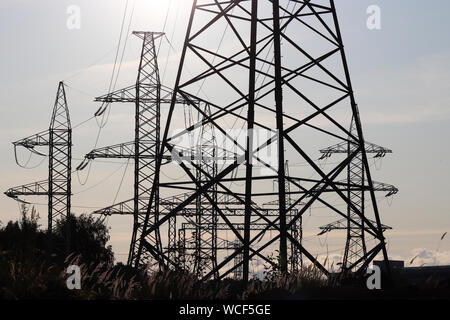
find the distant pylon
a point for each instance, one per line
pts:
(355, 252)
(296, 257)
(206, 217)
(58, 139)
(295, 261)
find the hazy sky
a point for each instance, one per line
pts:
(400, 74)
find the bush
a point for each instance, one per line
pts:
(88, 238)
(33, 262)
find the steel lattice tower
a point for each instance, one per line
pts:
(307, 92)
(147, 141)
(296, 258)
(237, 274)
(147, 94)
(355, 247)
(58, 139)
(60, 160)
(206, 217)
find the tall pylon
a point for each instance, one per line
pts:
(284, 72)
(147, 95)
(58, 139)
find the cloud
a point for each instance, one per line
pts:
(425, 257)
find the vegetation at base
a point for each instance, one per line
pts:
(33, 262)
(33, 265)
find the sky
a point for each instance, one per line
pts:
(400, 75)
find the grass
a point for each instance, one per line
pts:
(33, 266)
(40, 279)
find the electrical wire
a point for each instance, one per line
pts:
(101, 181)
(171, 178)
(24, 166)
(125, 45)
(82, 123)
(118, 47)
(89, 66)
(164, 25)
(170, 41)
(121, 182)
(111, 83)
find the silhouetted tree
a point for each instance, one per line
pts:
(88, 237)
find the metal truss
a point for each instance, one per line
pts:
(305, 91)
(355, 252)
(223, 226)
(295, 256)
(238, 262)
(343, 224)
(147, 95)
(206, 215)
(295, 261)
(58, 139)
(129, 95)
(39, 188)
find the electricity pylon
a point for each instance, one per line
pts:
(355, 252)
(58, 139)
(206, 215)
(295, 260)
(300, 93)
(147, 94)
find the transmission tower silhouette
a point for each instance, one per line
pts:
(355, 252)
(58, 139)
(147, 94)
(283, 72)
